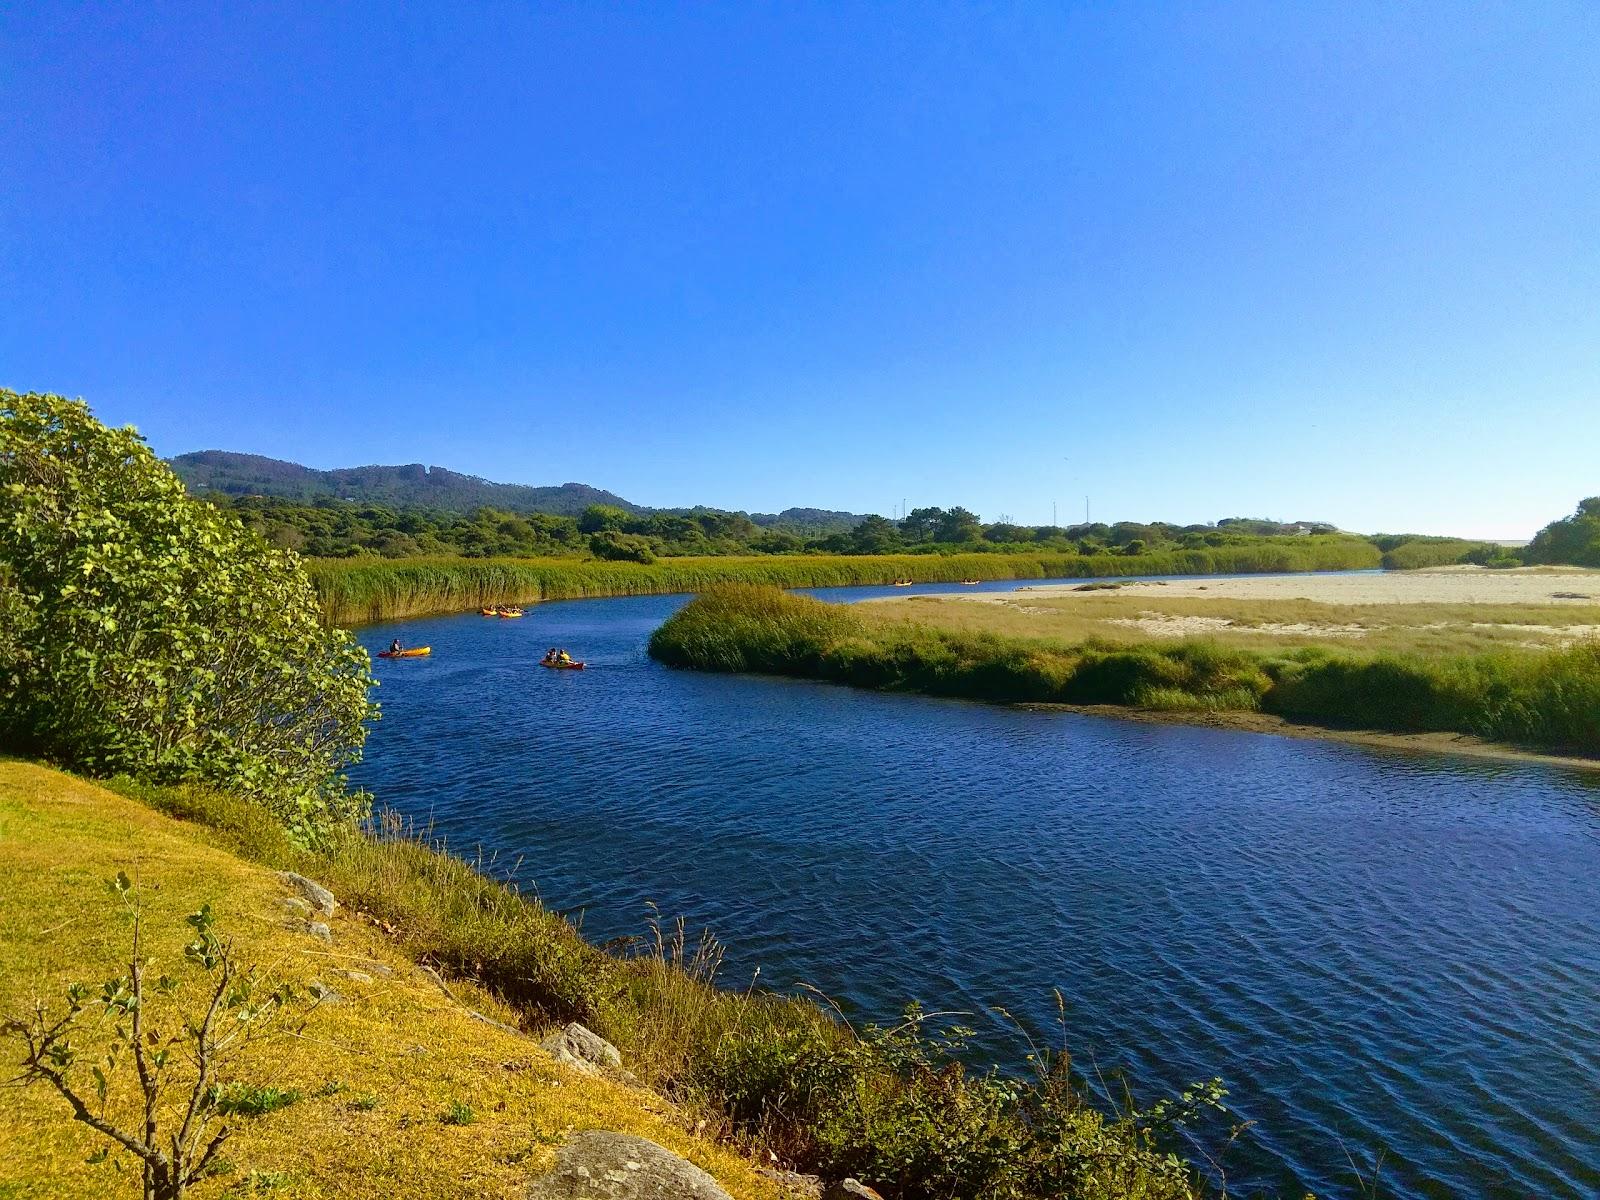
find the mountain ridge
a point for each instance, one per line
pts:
(236, 473)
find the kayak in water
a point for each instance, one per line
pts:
(561, 666)
(414, 652)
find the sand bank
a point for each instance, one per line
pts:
(1447, 585)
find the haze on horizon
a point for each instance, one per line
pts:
(1336, 262)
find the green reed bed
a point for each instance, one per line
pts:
(1542, 698)
(1417, 553)
(361, 590)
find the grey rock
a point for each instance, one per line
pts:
(582, 1048)
(612, 1166)
(319, 931)
(322, 993)
(356, 976)
(296, 907)
(849, 1189)
(319, 897)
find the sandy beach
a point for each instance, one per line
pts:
(1429, 611)
(1444, 585)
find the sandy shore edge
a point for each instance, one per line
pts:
(1256, 722)
(1438, 585)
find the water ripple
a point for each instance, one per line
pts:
(1384, 955)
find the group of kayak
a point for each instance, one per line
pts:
(555, 658)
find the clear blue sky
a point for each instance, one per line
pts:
(1330, 261)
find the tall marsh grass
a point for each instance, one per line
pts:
(356, 591)
(1544, 698)
(1435, 552)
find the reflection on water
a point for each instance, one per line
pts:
(1379, 952)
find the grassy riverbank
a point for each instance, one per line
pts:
(1541, 698)
(394, 1090)
(381, 1078)
(355, 591)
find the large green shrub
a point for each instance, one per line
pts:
(154, 635)
(1574, 539)
(621, 547)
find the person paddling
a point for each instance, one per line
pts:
(395, 647)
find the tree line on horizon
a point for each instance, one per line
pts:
(327, 528)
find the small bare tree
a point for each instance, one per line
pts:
(183, 1060)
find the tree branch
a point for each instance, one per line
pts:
(199, 1169)
(204, 1051)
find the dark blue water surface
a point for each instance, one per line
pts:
(1382, 954)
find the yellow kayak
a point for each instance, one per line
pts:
(414, 652)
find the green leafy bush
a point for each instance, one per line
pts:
(621, 547)
(156, 636)
(252, 1100)
(1573, 540)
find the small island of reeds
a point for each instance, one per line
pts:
(1521, 673)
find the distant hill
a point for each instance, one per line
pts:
(435, 487)
(411, 484)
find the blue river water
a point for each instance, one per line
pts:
(1392, 959)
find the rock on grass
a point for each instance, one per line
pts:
(612, 1166)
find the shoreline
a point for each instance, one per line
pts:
(1240, 721)
(354, 592)
(1462, 585)
(1531, 707)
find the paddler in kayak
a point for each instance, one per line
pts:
(395, 647)
(556, 658)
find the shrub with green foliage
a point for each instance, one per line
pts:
(155, 636)
(621, 547)
(1573, 540)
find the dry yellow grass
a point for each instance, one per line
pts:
(377, 1070)
(1261, 624)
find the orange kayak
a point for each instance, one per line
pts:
(562, 666)
(416, 652)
